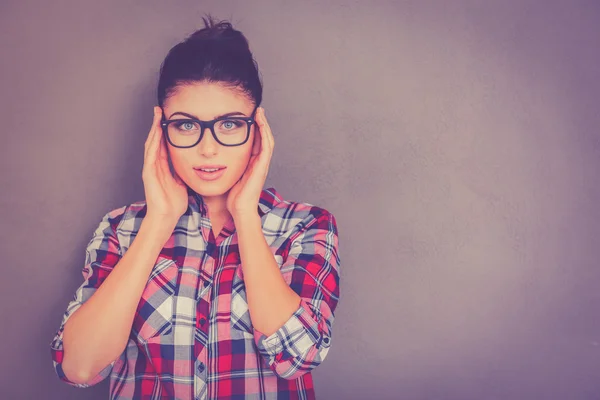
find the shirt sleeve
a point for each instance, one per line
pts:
(312, 271)
(102, 254)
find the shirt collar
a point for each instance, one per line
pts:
(269, 198)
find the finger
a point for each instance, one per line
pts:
(256, 171)
(256, 146)
(163, 163)
(268, 130)
(261, 133)
(266, 149)
(162, 150)
(265, 129)
(155, 142)
(154, 135)
(151, 131)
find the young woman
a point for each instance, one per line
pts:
(212, 287)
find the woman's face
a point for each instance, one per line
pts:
(207, 101)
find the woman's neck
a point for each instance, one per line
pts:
(217, 207)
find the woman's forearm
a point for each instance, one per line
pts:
(97, 333)
(270, 300)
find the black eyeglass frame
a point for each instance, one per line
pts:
(210, 125)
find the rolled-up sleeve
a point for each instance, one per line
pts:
(102, 254)
(312, 271)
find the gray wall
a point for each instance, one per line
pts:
(456, 142)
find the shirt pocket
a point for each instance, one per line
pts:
(154, 314)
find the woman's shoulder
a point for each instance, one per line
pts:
(129, 214)
(128, 210)
(122, 223)
(292, 212)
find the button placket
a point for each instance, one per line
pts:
(202, 310)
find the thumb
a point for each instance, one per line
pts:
(256, 144)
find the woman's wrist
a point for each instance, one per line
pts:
(157, 228)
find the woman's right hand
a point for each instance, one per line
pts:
(166, 195)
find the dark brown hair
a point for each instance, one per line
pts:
(215, 53)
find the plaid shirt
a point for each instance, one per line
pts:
(192, 337)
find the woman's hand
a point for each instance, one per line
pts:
(166, 195)
(243, 197)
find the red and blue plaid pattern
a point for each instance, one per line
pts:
(192, 337)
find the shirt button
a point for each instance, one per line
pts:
(202, 321)
(201, 367)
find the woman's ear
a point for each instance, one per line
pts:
(169, 159)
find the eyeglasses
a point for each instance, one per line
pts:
(227, 131)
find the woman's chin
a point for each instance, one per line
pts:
(211, 190)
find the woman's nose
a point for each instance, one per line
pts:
(208, 144)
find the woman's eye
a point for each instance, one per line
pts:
(186, 126)
(229, 124)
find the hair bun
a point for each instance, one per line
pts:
(221, 34)
(214, 30)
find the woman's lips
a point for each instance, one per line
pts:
(210, 176)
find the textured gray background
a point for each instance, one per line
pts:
(456, 142)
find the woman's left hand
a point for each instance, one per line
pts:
(243, 197)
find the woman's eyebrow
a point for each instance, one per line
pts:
(230, 114)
